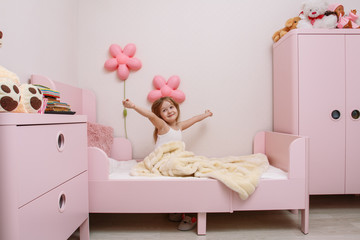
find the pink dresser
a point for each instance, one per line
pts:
(43, 176)
(317, 94)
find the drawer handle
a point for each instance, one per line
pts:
(62, 202)
(60, 141)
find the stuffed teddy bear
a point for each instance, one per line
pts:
(313, 15)
(31, 99)
(290, 24)
(344, 21)
(24, 98)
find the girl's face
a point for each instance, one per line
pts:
(168, 112)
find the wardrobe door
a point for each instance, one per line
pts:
(352, 114)
(322, 109)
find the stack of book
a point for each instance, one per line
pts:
(54, 105)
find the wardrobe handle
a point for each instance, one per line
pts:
(335, 114)
(355, 114)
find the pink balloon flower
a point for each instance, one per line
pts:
(123, 60)
(166, 89)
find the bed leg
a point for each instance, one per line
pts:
(84, 230)
(201, 224)
(305, 220)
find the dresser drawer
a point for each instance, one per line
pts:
(54, 215)
(49, 155)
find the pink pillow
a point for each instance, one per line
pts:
(100, 136)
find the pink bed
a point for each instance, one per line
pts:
(189, 195)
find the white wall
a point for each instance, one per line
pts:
(40, 36)
(221, 49)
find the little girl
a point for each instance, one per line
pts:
(164, 116)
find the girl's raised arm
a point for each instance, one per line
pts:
(155, 120)
(191, 121)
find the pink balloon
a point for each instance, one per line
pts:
(122, 58)
(111, 64)
(123, 72)
(130, 50)
(115, 50)
(159, 82)
(134, 64)
(178, 96)
(153, 95)
(122, 61)
(166, 89)
(173, 82)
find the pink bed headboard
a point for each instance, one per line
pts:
(82, 101)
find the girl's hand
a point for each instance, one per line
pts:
(128, 104)
(208, 113)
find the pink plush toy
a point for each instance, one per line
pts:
(344, 21)
(123, 60)
(166, 89)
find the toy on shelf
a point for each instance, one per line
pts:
(9, 95)
(290, 24)
(31, 99)
(53, 103)
(344, 21)
(313, 15)
(24, 98)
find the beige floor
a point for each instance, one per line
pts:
(331, 217)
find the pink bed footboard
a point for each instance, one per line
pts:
(289, 153)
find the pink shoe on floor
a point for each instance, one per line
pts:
(187, 223)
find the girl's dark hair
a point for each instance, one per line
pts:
(156, 108)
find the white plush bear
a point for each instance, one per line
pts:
(313, 15)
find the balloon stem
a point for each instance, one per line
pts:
(125, 115)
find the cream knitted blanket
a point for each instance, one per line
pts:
(241, 174)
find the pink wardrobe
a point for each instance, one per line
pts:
(317, 94)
